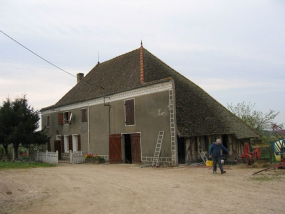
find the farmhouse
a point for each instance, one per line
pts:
(118, 109)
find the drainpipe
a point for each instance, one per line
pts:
(107, 104)
(88, 123)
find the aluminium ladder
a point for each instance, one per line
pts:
(203, 155)
(157, 150)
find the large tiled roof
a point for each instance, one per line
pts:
(197, 112)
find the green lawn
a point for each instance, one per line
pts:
(12, 165)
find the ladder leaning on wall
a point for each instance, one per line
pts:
(202, 154)
(157, 150)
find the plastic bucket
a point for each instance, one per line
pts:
(209, 163)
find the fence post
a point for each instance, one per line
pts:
(57, 156)
(70, 155)
(37, 155)
(46, 156)
(13, 154)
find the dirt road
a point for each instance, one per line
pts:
(90, 188)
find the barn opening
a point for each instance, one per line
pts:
(128, 148)
(181, 150)
(225, 142)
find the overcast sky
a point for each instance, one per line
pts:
(234, 50)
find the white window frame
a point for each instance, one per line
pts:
(75, 142)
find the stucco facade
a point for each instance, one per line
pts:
(105, 117)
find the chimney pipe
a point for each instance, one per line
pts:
(80, 76)
(141, 64)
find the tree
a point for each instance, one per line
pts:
(21, 124)
(255, 119)
(6, 124)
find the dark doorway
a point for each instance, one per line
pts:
(225, 142)
(57, 147)
(128, 148)
(132, 148)
(181, 150)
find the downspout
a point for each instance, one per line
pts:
(109, 114)
(89, 149)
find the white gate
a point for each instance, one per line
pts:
(76, 157)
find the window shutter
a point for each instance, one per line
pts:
(48, 120)
(70, 142)
(130, 112)
(60, 118)
(83, 115)
(62, 144)
(79, 143)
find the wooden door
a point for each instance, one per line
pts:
(57, 147)
(136, 148)
(115, 150)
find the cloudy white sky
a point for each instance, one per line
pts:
(234, 50)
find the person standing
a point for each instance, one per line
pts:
(215, 152)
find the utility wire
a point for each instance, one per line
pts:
(47, 60)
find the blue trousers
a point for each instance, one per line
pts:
(217, 159)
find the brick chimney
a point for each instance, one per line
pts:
(80, 76)
(141, 64)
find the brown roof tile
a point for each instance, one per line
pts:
(197, 112)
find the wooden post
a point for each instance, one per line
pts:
(46, 156)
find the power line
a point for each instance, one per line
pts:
(46, 60)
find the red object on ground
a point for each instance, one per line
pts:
(257, 154)
(247, 155)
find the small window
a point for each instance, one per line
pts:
(130, 112)
(48, 120)
(67, 116)
(84, 115)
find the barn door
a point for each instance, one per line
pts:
(115, 152)
(57, 147)
(136, 147)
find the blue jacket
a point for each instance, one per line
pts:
(215, 150)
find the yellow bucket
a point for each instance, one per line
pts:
(209, 163)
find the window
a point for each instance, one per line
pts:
(67, 116)
(130, 112)
(66, 144)
(75, 142)
(84, 115)
(48, 120)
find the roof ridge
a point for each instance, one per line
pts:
(115, 57)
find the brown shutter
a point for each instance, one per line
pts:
(70, 142)
(136, 148)
(48, 120)
(115, 151)
(60, 118)
(130, 112)
(62, 144)
(79, 143)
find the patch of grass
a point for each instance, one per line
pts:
(13, 165)
(269, 176)
(263, 178)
